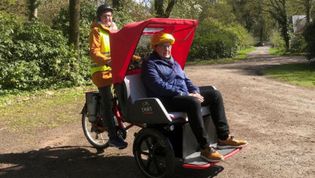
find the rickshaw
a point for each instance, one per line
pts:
(165, 137)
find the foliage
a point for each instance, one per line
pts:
(49, 9)
(87, 16)
(125, 15)
(277, 51)
(215, 40)
(277, 40)
(278, 10)
(122, 17)
(222, 12)
(33, 56)
(310, 40)
(298, 44)
(187, 9)
(14, 6)
(252, 14)
(243, 38)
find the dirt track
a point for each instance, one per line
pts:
(276, 118)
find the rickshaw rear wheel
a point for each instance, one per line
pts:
(95, 132)
(154, 154)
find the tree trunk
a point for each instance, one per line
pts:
(261, 34)
(286, 37)
(32, 7)
(159, 8)
(74, 30)
(169, 8)
(158, 5)
(261, 22)
(308, 7)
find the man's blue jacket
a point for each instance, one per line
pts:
(164, 78)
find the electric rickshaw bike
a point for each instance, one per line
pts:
(164, 137)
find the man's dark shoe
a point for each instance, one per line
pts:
(117, 142)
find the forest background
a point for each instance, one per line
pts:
(44, 43)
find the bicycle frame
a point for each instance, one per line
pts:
(119, 117)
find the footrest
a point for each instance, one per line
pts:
(194, 161)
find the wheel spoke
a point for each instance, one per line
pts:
(149, 163)
(145, 153)
(147, 144)
(157, 166)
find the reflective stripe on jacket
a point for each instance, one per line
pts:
(104, 49)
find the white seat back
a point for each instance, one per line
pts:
(135, 88)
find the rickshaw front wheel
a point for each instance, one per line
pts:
(154, 154)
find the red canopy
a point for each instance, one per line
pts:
(124, 42)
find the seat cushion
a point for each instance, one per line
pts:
(182, 116)
(176, 116)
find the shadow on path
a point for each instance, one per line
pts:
(71, 161)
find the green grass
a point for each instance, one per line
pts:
(302, 74)
(241, 55)
(283, 52)
(277, 51)
(41, 110)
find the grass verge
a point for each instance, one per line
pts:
(302, 74)
(241, 55)
(277, 51)
(282, 52)
(46, 109)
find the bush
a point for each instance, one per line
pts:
(244, 39)
(277, 41)
(20, 75)
(214, 40)
(8, 26)
(298, 44)
(310, 40)
(33, 56)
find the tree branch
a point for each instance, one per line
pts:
(169, 8)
